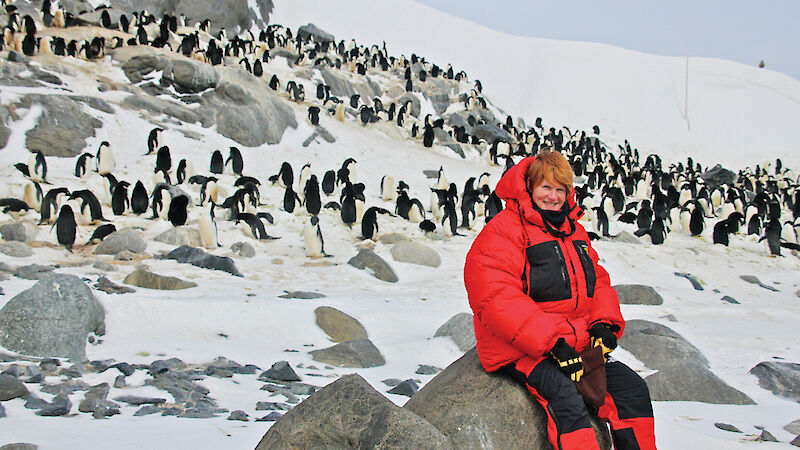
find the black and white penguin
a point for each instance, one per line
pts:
(154, 140)
(105, 158)
(217, 163)
(178, 212)
(313, 115)
(311, 197)
(312, 239)
(369, 223)
(119, 198)
(696, 220)
(348, 213)
(32, 195)
(66, 227)
(388, 188)
(235, 158)
(450, 218)
(350, 164)
(772, 233)
(305, 174)
(51, 202)
(101, 232)
(159, 204)
(37, 167)
(427, 137)
(427, 227)
(80, 164)
(285, 175)
(601, 221)
(163, 160)
(139, 199)
(329, 182)
(720, 233)
(290, 199)
(255, 225)
(90, 201)
(208, 228)
(184, 171)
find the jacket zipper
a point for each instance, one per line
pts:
(574, 274)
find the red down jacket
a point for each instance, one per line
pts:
(527, 288)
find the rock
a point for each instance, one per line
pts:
(280, 371)
(136, 401)
(243, 249)
(727, 427)
(11, 388)
(143, 278)
(107, 267)
(146, 410)
(305, 295)
(19, 231)
(729, 299)
(766, 436)
(695, 282)
(476, 409)
(126, 255)
(683, 372)
(754, 280)
(461, 329)
(239, 415)
(289, 389)
(637, 294)
(271, 417)
(199, 258)
(109, 287)
(407, 387)
(339, 86)
(427, 370)
(322, 132)
(780, 378)
(52, 318)
(349, 413)
(272, 406)
(170, 108)
(339, 326)
(718, 176)
(380, 269)
(5, 132)
(415, 253)
(120, 240)
(359, 353)
(60, 406)
(15, 249)
(392, 238)
(491, 133)
(310, 30)
(63, 127)
(181, 236)
(793, 427)
(33, 272)
(19, 445)
(124, 368)
(188, 76)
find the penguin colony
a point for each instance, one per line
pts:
(611, 186)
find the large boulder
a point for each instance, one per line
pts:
(199, 258)
(63, 127)
(19, 231)
(780, 378)
(717, 176)
(415, 253)
(349, 413)
(312, 31)
(121, 240)
(683, 372)
(181, 236)
(637, 294)
(146, 279)
(358, 353)
(52, 319)
(234, 16)
(339, 326)
(461, 329)
(380, 269)
(476, 409)
(339, 86)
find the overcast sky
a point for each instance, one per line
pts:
(739, 30)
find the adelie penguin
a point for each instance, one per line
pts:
(329, 182)
(369, 223)
(163, 160)
(313, 115)
(139, 199)
(312, 239)
(50, 203)
(89, 200)
(178, 212)
(290, 199)
(235, 159)
(37, 167)
(311, 197)
(101, 232)
(105, 159)
(119, 198)
(217, 163)
(153, 140)
(80, 164)
(208, 228)
(66, 227)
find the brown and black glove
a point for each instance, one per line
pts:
(568, 360)
(602, 335)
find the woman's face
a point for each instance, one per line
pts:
(549, 196)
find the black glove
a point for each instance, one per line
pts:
(568, 360)
(602, 334)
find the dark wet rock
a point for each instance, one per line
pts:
(683, 372)
(199, 258)
(120, 240)
(349, 413)
(718, 176)
(339, 326)
(149, 280)
(780, 378)
(11, 388)
(52, 318)
(695, 282)
(427, 370)
(60, 406)
(460, 329)
(109, 287)
(637, 294)
(374, 264)
(727, 427)
(239, 415)
(304, 295)
(63, 127)
(280, 371)
(359, 353)
(407, 388)
(33, 272)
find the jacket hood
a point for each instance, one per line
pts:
(512, 189)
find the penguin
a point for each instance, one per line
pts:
(105, 159)
(290, 199)
(14, 205)
(119, 198)
(184, 171)
(163, 160)
(253, 221)
(285, 175)
(311, 198)
(696, 221)
(235, 158)
(217, 164)
(720, 233)
(369, 223)
(350, 165)
(80, 164)
(450, 218)
(427, 227)
(601, 221)
(348, 213)
(50, 202)
(329, 182)
(658, 231)
(313, 115)
(388, 188)
(139, 196)
(339, 112)
(32, 195)
(427, 137)
(208, 228)
(493, 206)
(153, 139)
(38, 167)
(305, 173)
(88, 199)
(772, 233)
(178, 213)
(312, 239)
(66, 227)
(101, 232)
(160, 202)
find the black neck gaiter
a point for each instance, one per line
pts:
(555, 218)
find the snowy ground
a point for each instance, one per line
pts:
(402, 317)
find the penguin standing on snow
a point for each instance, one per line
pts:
(388, 188)
(178, 213)
(153, 140)
(50, 203)
(163, 160)
(329, 182)
(285, 175)
(290, 199)
(88, 199)
(348, 212)
(80, 164)
(312, 239)
(311, 198)
(217, 163)
(235, 158)
(66, 227)
(160, 202)
(119, 198)
(184, 171)
(38, 167)
(32, 195)
(369, 223)
(208, 228)
(105, 159)
(139, 199)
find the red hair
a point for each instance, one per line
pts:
(550, 166)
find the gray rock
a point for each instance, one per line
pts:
(181, 236)
(321, 132)
(2, 413)
(11, 388)
(415, 253)
(427, 370)
(637, 294)
(181, 386)
(15, 249)
(34, 402)
(98, 392)
(729, 299)
(349, 413)
(796, 441)
(62, 128)
(146, 410)
(120, 240)
(339, 86)
(164, 365)
(727, 427)
(19, 231)
(144, 279)
(754, 280)
(33, 272)
(414, 105)
(272, 406)
(188, 76)
(380, 269)
(407, 388)
(793, 427)
(683, 372)
(109, 287)
(166, 107)
(305, 295)
(60, 406)
(461, 329)
(339, 326)
(5, 132)
(136, 401)
(223, 363)
(105, 266)
(239, 415)
(119, 382)
(271, 417)
(693, 279)
(102, 407)
(718, 176)
(280, 371)
(476, 409)
(125, 255)
(243, 249)
(491, 133)
(199, 258)
(19, 445)
(359, 353)
(780, 378)
(52, 318)
(312, 31)
(766, 436)
(290, 389)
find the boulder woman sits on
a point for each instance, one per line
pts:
(540, 300)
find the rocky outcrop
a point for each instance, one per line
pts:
(780, 378)
(357, 353)
(63, 127)
(339, 326)
(19, 231)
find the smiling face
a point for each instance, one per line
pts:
(549, 196)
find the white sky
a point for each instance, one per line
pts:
(739, 30)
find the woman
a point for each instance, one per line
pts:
(539, 298)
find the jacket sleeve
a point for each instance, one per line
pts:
(605, 302)
(493, 278)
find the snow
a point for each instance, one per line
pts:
(738, 116)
